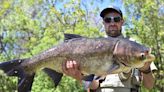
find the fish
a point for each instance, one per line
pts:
(98, 56)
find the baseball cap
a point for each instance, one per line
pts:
(110, 8)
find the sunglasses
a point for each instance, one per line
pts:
(112, 19)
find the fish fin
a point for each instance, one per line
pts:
(71, 36)
(13, 68)
(25, 83)
(92, 77)
(114, 68)
(89, 77)
(55, 76)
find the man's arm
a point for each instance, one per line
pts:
(148, 80)
(147, 76)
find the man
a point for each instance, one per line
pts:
(122, 82)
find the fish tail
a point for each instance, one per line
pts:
(54, 75)
(14, 68)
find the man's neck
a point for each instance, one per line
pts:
(119, 36)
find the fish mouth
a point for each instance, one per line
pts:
(150, 58)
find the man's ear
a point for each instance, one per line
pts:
(103, 22)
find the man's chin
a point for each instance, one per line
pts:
(113, 35)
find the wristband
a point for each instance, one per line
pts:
(147, 71)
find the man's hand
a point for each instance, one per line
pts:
(146, 67)
(72, 68)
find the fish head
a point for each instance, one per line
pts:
(132, 54)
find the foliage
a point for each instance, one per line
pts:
(28, 27)
(147, 18)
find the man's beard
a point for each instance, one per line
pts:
(114, 33)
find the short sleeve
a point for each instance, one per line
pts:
(153, 67)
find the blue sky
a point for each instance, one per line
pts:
(99, 4)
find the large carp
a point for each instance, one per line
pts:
(99, 56)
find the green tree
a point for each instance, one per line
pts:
(146, 18)
(28, 27)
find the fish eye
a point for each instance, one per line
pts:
(142, 56)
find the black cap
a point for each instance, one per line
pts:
(110, 8)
